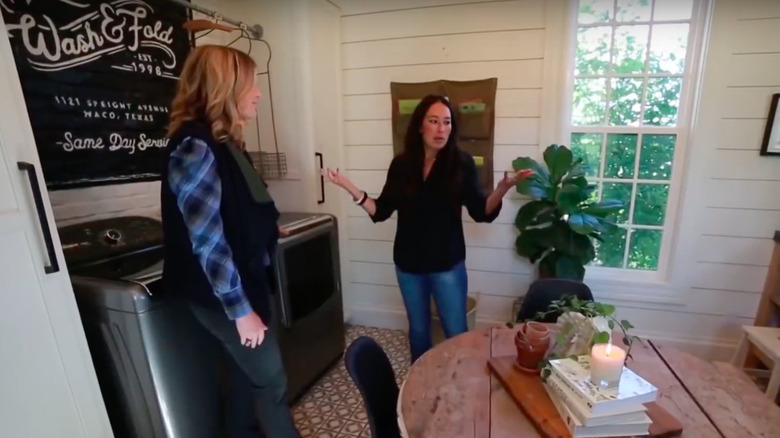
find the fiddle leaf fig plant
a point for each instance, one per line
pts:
(558, 226)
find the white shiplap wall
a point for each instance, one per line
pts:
(415, 41)
(93, 203)
(730, 206)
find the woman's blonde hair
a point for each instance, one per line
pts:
(211, 84)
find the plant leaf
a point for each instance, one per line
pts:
(559, 160)
(597, 237)
(601, 338)
(576, 170)
(537, 191)
(528, 243)
(599, 225)
(607, 226)
(626, 325)
(536, 256)
(571, 195)
(590, 189)
(565, 240)
(604, 208)
(609, 309)
(626, 341)
(531, 213)
(579, 181)
(583, 223)
(530, 163)
(611, 324)
(538, 185)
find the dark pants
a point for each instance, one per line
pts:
(448, 289)
(257, 377)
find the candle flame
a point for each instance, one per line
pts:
(609, 348)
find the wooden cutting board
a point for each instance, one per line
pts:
(529, 394)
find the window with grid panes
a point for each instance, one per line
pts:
(629, 67)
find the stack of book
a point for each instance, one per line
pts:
(591, 411)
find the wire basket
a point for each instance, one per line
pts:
(270, 165)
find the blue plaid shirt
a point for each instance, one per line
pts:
(193, 177)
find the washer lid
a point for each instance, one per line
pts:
(127, 248)
(142, 266)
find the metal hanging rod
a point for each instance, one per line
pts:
(255, 31)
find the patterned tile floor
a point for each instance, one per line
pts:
(333, 407)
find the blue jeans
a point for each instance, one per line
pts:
(448, 289)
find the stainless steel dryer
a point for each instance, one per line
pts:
(308, 304)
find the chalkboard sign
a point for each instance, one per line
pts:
(98, 79)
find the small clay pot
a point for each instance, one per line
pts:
(532, 342)
(535, 330)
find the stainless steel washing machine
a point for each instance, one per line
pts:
(155, 364)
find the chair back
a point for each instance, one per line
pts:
(544, 291)
(372, 373)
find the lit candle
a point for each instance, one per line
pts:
(606, 364)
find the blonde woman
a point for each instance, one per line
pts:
(220, 229)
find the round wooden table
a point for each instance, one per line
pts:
(450, 393)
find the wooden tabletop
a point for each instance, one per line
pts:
(450, 392)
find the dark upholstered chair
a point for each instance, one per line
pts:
(370, 369)
(544, 291)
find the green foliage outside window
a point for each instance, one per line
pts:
(627, 87)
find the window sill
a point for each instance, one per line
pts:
(635, 287)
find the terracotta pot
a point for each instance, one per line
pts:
(532, 342)
(535, 330)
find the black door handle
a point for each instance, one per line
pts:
(54, 265)
(322, 179)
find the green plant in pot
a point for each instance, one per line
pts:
(558, 226)
(581, 325)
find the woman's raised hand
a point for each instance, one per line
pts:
(336, 177)
(511, 178)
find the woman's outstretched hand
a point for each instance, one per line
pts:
(511, 178)
(502, 188)
(337, 178)
(342, 181)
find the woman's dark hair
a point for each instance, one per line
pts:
(448, 157)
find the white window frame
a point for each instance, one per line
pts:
(690, 84)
